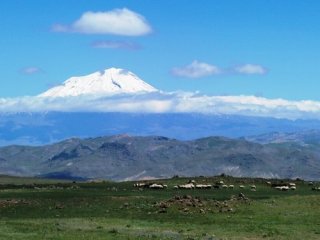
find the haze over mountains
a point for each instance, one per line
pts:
(51, 127)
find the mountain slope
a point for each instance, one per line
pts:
(124, 157)
(109, 81)
(306, 137)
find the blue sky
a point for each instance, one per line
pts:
(280, 37)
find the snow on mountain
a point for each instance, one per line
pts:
(106, 82)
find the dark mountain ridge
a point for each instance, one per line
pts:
(123, 157)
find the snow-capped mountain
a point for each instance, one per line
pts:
(106, 82)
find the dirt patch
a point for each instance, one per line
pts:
(190, 204)
(13, 202)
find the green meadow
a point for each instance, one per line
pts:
(50, 209)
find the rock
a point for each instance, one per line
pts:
(187, 197)
(163, 205)
(162, 210)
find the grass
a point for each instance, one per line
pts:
(49, 210)
(9, 180)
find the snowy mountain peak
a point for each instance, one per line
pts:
(105, 82)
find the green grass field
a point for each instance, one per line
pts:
(41, 209)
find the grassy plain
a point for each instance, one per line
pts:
(41, 209)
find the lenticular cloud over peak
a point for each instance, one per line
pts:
(119, 90)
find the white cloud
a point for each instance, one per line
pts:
(250, 69)
(196, 70)
(161, 102)
(201, 69)
(31, 70)
(117, 22)
(116, 45)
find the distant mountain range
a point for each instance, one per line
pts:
(51, 127)
(307, 137)
(124, 157)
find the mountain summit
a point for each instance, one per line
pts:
(106, 82)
